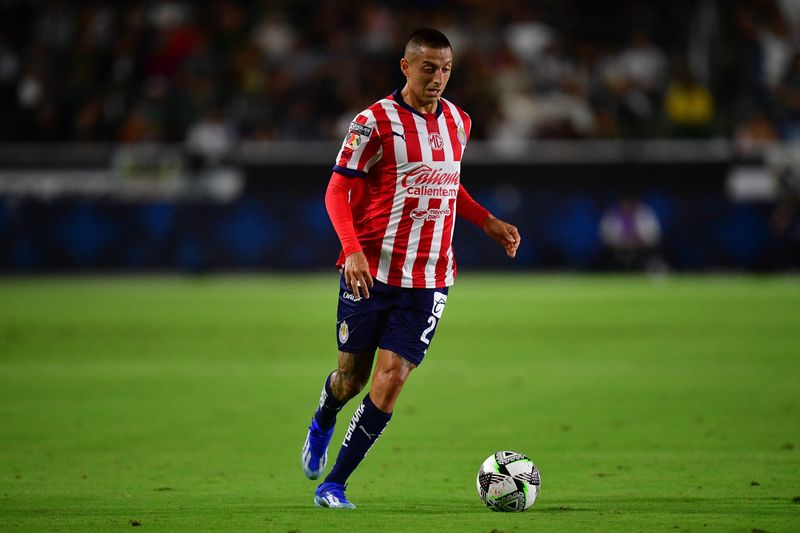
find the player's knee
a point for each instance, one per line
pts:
(386, 387)
(391, 379)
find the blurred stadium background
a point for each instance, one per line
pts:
(198, 136)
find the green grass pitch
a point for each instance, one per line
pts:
(182, 404)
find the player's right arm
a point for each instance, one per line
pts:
(360, 150)
(356, 267)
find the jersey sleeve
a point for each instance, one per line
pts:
(468, 208)
(361, 147)
(467, 125)
(338, 206)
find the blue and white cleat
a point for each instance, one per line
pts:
(315, 450)
(331, 495)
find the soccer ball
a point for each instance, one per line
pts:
(508, 481)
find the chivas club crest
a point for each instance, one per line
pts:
(344, 332)
(462, 135)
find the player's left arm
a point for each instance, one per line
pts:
(505, 234)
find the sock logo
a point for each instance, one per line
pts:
(370, 436)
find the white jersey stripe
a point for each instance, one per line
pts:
(425, 146)
(358, 153)
(450, 277)
(459, 119)
(397, 206)
(413, 247)
(448, 146)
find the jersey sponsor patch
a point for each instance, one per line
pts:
(352, 140)
(429, 213)
(360, 129)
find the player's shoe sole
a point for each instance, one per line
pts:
(314, 456)
(331, 496)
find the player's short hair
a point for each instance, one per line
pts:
(425, 38)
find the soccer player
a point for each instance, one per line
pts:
(393, 197)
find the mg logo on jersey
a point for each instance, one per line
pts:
(435, 140)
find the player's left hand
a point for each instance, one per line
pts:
(505, 234)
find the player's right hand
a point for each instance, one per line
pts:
(356, 274)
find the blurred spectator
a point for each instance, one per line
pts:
(776, 47)
(210, 139)
(643, 71)
(689, 106)
(644, 64)
(754, 134)
(787, 94)
(274, 36)
(631, 234)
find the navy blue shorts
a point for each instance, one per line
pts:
(393, 318)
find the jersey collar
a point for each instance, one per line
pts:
(398, 97)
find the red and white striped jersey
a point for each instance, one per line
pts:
(405, 209)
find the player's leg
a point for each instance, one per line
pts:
(369, 421)
(407, 334)
(390, 375)
(359, 322)
(340, 386)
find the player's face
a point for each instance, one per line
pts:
(427, 74)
